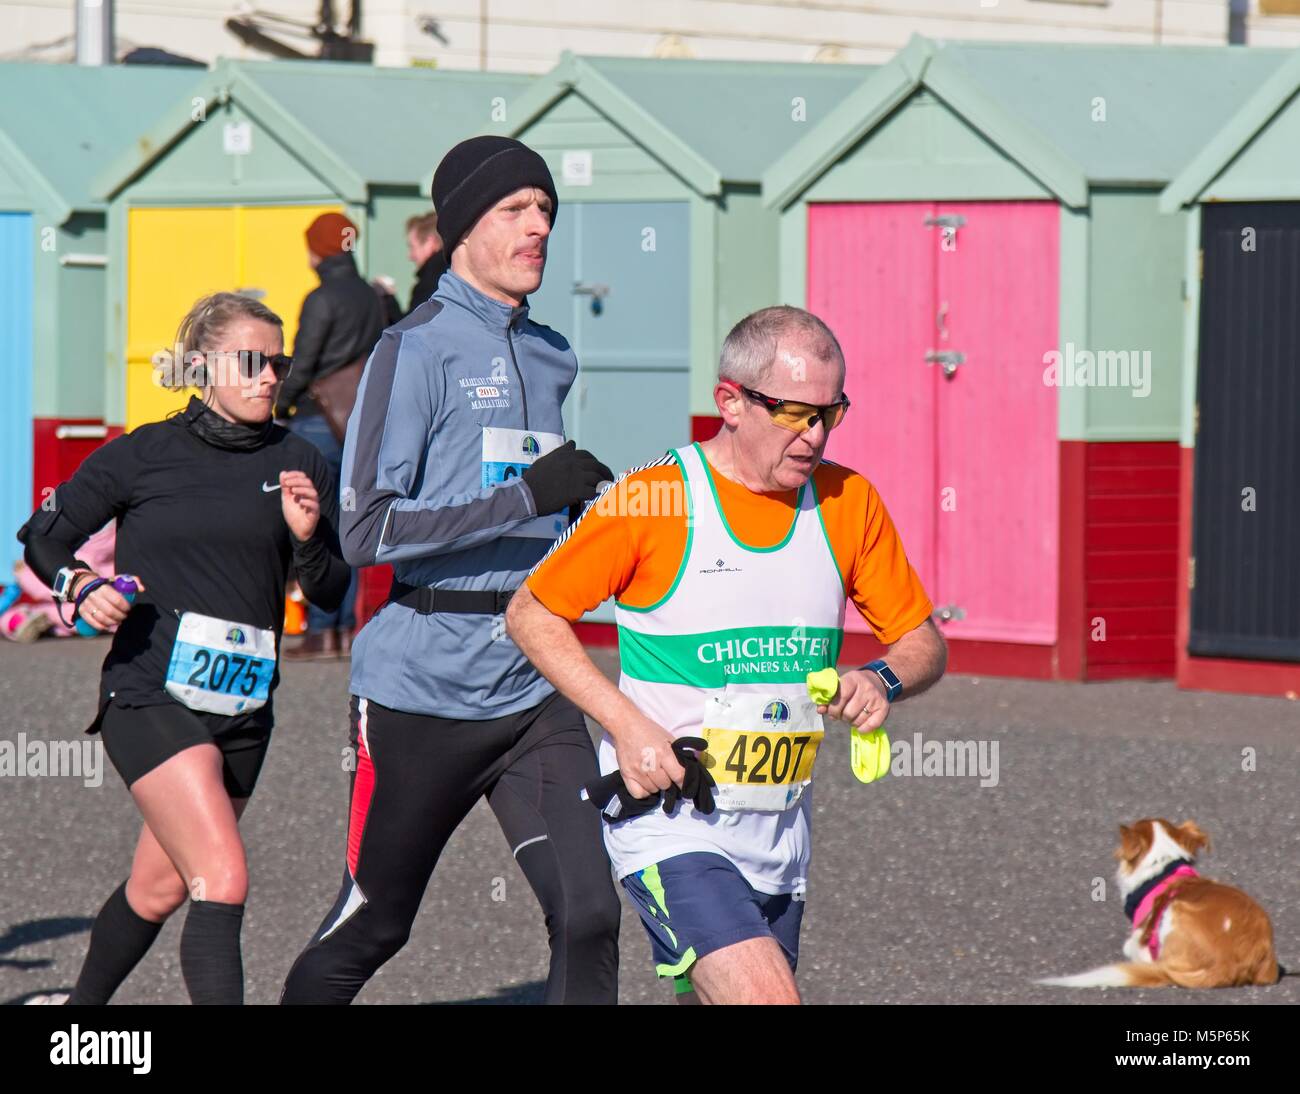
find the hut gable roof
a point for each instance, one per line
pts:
(360, 126)
(711, 121)
(1043, 104)
(60, 125)
(1253, 116)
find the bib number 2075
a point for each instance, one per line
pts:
(219, 666)
(224, 672)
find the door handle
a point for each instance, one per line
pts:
(949, 358)
(595, 291)
(66, 432)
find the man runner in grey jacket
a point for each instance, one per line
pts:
(455, 471)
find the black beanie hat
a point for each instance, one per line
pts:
(478, 173)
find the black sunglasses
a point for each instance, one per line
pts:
(252, 362)
(796, 416)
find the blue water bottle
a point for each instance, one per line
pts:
(123, 584)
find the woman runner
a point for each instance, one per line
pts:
(212, 506)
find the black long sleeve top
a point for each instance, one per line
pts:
(199, 520)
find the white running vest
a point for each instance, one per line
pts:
(725, 655)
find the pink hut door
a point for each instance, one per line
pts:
(996, 420)
(871, 278)
(945, 312)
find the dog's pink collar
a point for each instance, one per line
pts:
(1144, 909)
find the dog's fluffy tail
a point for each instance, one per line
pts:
(1124, 975)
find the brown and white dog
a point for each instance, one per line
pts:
(1187, 930)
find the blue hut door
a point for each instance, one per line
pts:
(617, 287)
(16, 274)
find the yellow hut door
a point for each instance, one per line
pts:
(176, 255)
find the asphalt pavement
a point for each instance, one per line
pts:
(925, 888)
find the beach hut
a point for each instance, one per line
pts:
(979, 223)
(1239, 454)
(59, 126)
(218, 194)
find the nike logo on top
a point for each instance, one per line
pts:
(268, 487)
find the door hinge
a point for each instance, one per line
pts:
(948, 613)
(948, 224)
(1200, 264)
(1191, 572)
(1196, 419)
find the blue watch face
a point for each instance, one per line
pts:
(893, 684)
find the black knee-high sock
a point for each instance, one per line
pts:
(211, 962)
(118, 939)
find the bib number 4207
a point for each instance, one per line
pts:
(770, 760)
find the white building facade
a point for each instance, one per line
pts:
(529, 35)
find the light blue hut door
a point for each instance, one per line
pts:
(617, 285)
(16, 274)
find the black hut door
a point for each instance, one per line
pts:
(1245, 598)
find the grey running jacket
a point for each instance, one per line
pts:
(462, 393)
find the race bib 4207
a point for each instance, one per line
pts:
(761, 750)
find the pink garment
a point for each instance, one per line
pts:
(1144, 909)
(96, 552)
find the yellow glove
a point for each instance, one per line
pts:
(868, 751)
(822, 686)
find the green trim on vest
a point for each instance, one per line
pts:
(739, 655)
(798, 503)
(686, 553)
(817, 501)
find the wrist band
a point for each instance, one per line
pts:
(91, 586)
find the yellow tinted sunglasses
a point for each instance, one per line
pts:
(799, 417)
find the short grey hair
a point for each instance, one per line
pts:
(750, 349)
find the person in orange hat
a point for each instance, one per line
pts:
(340, 323)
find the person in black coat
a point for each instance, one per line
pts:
(341, 320)
(340, 323)
(424, 248)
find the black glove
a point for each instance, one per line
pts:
(603, 792)
(697, 783)
(569, 475)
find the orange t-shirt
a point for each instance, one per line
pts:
(629, 545)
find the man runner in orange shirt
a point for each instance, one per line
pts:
(731, 563)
